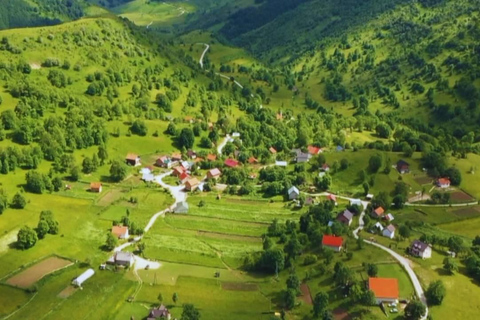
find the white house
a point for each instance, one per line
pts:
(443, 183)
(83, 277)
(357, 202)
(281, 163)
(420, 249)
(293, 193)
(389, 231)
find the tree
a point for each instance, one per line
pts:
(290, 297)
(293, 283)
(18, 201)
(399, 201)
(87, 166)
(436, 293)
(455, 176)
(186, 139)
(383, 130)
(268, 243)
(320, 303)
(118, 171)
(3, 201)
(455, 244)
(175, 297)
(415, 310)
(190, 312)
(450, 265)
(404, 231)
(375, 163)
(111, 242)
(57, 183)
(102, 154)
(42, 229)
(372, 270)
(344, 164)
(35, 182)
(26, 238)
(160, 297)
(74, 173)
(139, 127)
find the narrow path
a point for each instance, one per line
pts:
(207, 46)
(149, 24)
(223, 144)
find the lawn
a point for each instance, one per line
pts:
(469, 228)
(12, 299)
(396, 271)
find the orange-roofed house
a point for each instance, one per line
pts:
(272, 150)
(177, 171)
(211, 157)
(96, 187)
(384, 289)
(132, 159)
(314, 150)
(120, 232)
(332, 242)
(378, 213)
(192, 184)
(176, 157)
(214, 174)
(443, 183)
(252, 160)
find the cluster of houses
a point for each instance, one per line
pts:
(389, 230)
(404, 167)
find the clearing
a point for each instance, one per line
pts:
(28, 277)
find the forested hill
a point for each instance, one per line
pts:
(22, 13)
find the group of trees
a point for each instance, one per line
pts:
(28, 237)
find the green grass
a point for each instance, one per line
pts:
(436, 215)
(12, 299)
(468, 228)
(396, 271)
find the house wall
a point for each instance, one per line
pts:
(427, 253)
(386, 300)
(336, 249)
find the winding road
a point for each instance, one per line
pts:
(207, 46)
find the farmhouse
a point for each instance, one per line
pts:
(181, 207)
(120, 232)
(345, 217)
(121, 258)
(332, 242)
(302, 157)
(378, 213)
(443, 183)
(184, 177)
(191, 154)
(164, 162)
(384, 289)
(177, 171)
(159, 313)
(96, 187)
(231, 163)
(403, 167)
(420, 249)
(389, 231)
(293, 193)
(132, 159)
(214, 174)
(314, 150)
(192, 184)
(211, 157)
(83, 277)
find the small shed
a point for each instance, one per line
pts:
(96, 187)
(132, 159)
(83, 277)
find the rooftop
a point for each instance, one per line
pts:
(332, 241)
(384, 287)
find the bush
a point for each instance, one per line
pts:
(435, 293)
(310, 259)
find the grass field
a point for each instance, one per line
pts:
(396, 271)
(12, 299)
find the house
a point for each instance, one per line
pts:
(443, 183)
(231, 163)
(369, 196)
(187, 165)
(184, 177)
(191, 154)
(177, 171)
(389, 217)
(302, 157)
(189, 119)
(403, 166)
(378, 213)
(345, 217)
(322, 174)
(121, 232)
(314, 150)
(281, 163)
(389, 231)
(159, 313)
(192, 184)
(123, 258)
(236, 154)
(96, 187)
(384, 289)
(252, 160)
(132, 159)
(420, 249)
(211, 157)
(332, 242)
(356, 202)
(293, 193)
(176, 156)
(272, 150)
(83, 277)
(214, 174)
(332, 197)
(379, 226)
(181, 207)
(325, 167)
(164, 162)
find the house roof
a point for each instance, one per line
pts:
(325, 166)
(384, 287)
(132, 156)
(419, 245)
(191, 153)
(176, 155)
(252, 160)
(272, 150)
(193, 182)
(402, 163)
(161, 311)
(214, 172)
(281, 163)
(332, 197)
(95, 185)
(184, 175)
(231, 163)
(379, 211)
(211, 157)
(313, 150)
(391, 228)
(293, 189)
(332, 241)
(390, 217)
(347, 214)
(179, 169)
(163, 159)
(119, 230)
(123, 256)
(443, 181)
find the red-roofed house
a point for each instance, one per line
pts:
(96, 187)
(184, 177)
(211, 157)
(378, 213)
(120, 232)
(177, 171)
(214, 174)
(252, 160)
(314, 150)
(272, 150)
(332, 242)
(384, 289)
(443, 183)
(231, 163)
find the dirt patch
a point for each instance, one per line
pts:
(341, 314)
(460, 196)
(29, 276)
(423, 180)
(7, 240)
(110, 197)
(306, 295)
(238, 286)
(67, 292)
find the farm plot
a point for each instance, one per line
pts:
(28, 277)
(460, 197)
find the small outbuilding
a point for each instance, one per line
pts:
(403, 166)
(345, 217)
(132, 159)
(214, 173)
(96, 187)
(443, 183)
(83, 277)
(281, 163)
(293, 193)
(121, 232)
